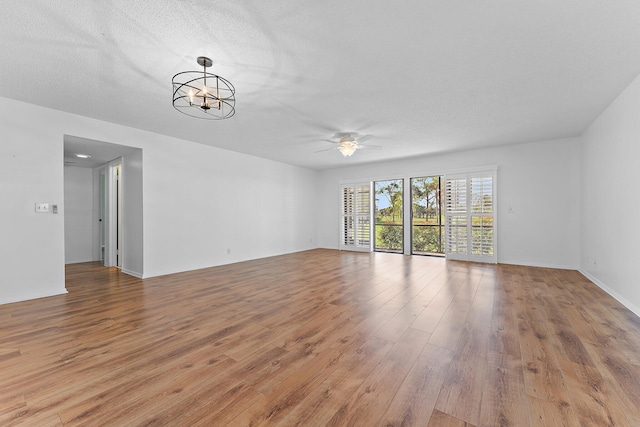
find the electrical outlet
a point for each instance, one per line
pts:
(228, 251)
(42, 207)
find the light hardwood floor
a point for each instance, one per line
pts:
(322, 338)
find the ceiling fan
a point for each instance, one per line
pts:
(348, 142)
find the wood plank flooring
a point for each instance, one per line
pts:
(322, 338)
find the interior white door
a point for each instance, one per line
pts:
(113, 226)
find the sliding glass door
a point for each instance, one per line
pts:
(389, 224)
(427, 216)
(452, 215)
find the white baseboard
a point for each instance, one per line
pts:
(541, 265)
(31, 297)
(132, 273)
(622, 300)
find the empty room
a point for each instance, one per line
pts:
(319, 213)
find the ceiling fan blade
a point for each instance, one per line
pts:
(364, 138)
(369, 146)
(316, 125)
(326, 149)
(329, 140)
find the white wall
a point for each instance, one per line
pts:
(32, 245)
(540, 181)
(78, 214)
(132, 215)
(214, 201)
(198, 201)
(610, 198)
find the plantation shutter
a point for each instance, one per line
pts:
(456, 232)
(355, 221)
(469, 217)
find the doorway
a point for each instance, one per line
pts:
(112, 178)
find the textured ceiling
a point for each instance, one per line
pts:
(421, 77)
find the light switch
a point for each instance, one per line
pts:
(42, 207)
(54, 209)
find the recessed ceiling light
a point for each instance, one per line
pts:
(83, 156)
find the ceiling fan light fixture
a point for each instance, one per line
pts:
(347, 148)
(202, 94)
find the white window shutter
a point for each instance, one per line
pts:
(355, 233)
(456, 221)
(348, 217)
(482, 223)
(469, 217)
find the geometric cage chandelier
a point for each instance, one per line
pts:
(203, 95)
